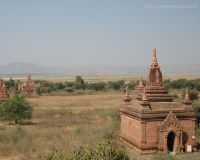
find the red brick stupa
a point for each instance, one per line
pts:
(155, 90)
(154, 123)
(140, 86)
(29, 86)
(4, 95)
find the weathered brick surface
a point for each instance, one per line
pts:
(145, 135)
(129, 128)
(150, 121)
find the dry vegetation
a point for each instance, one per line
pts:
(65, 123)
(60, 122)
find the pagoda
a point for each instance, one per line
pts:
(4, 95)
(29, 86)
(153, 122)
(140, 86)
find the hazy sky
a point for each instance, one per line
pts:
(99, 32)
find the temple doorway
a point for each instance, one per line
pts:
(170, 141)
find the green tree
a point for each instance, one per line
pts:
(10, 83)
(15, 109)
(79, 83)
(100, 86)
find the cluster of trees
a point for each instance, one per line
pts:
(80, 84)
(12, 84)
(103, 151)
(182, 83)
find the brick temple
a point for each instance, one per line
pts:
(29, 86)
(153, 122)
(4, 95)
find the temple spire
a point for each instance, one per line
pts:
(127, 99)
(29, 77)
(145, 101)
(154, 62)
(187, 97)
(141, 84)
(144, 96)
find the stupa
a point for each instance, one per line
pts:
(29, 86)
(153, 122)
(4, 95)
(140, 86)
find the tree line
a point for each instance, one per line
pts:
(80, 84)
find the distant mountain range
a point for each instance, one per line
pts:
(24, 68)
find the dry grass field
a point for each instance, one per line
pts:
(60, 122)
(65, 123)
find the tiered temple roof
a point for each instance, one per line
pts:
(155, 90)
(148, 121)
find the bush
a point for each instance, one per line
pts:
(79, 83)
(96, 86)
(10, 83)
(15, 109)
(58, 86)
(38, 91)
(115, 85)
(103, 151)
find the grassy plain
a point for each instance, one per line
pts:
(66, 122)
(61, 122)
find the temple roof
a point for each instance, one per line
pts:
(153, 100)
(155, 106)
(155, 90)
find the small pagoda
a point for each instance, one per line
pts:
(4, 95)
(140, 86)
(29, 86)
(153, 122)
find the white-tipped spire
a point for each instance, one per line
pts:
(127, 89)
(127, 99)
(154, 58)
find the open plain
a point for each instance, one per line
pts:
(65, 123)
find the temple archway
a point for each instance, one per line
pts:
(170, 141)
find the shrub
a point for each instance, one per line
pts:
(15, 109)
(115, 85)
(103, 151)
(38, 91)
(10, 83)
(96, 86)
(79, 83)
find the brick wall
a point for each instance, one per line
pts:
(131, 129)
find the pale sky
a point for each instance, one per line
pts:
(99, 32)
